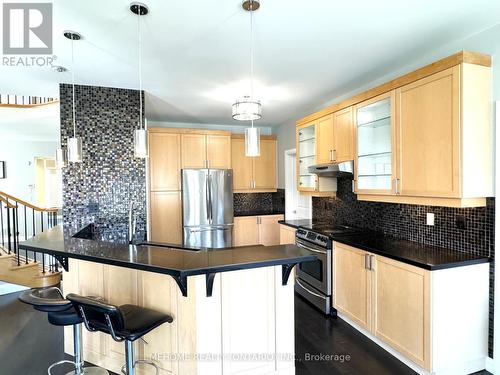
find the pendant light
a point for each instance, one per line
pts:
(61, 158)
(250, 109)
(140, 134)
(75, 153)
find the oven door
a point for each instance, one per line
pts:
(317, 272)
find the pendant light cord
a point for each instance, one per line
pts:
(140, 65)
(251, 52)
(73, 89)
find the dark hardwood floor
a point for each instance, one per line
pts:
(29, 344)
(316, 334)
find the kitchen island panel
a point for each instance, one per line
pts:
(249, 313)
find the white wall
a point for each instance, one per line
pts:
(486, 42)
(19, 155)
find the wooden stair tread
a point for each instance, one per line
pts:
(23, 265)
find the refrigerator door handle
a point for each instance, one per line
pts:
(207, 198)
(210, 214)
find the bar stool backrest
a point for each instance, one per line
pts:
(98, 315)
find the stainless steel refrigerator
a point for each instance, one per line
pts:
(207, 207)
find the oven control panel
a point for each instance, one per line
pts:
(313, 237)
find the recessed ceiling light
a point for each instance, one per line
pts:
(59, 68)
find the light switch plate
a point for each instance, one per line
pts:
(430, 218)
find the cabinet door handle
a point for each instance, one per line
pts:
(371, 261)
(353, 185)
(330, 155)
(396, 185)
(334, 155)
(367, 261)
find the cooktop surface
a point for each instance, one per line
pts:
(330, 229)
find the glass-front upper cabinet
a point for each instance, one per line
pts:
(306, 156)
(375, 145)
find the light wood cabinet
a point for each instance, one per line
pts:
(428, 136)
(431, 145)
(219, 151)
(316, 145)
(257, 230)
(343, 135)
(335, 137)
(206, 150)
(349, 270)
(242, 166)
(269, 230)
(325, 140)
(170, 151)
(401, 308)
(166, 217)
(246, 231)
(165, 161)
(390, 299)
(287, 235)
(194, 151)
(254, 174)
(264, 166)
(413, 310)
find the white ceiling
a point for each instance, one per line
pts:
(196, 53)
(33, 124)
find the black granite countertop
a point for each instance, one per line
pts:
(414, 253)
(306, 223)
(166, 259)
(259, 213)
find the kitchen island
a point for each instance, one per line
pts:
(233, 308)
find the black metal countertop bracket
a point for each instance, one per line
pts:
(209, 279)
(182, 283)
(286, 269)
(63, 261)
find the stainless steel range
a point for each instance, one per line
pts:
(314, 279)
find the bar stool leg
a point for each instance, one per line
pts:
(77, 346)
(129, 357)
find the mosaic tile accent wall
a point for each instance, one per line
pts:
(259, 202)
(99, 189)
(409, 222)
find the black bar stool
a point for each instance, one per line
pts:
(61, 312)
(124, 323)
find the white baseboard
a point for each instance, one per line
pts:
(464, 368)
(490, 365)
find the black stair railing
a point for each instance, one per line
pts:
(21, 220)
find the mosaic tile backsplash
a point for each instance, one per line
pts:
(409, 222)
(99, 189)
(259, 202)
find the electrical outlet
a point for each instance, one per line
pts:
(430, 218)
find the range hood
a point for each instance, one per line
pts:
(344, 169)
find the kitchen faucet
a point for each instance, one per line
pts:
(132, 222)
